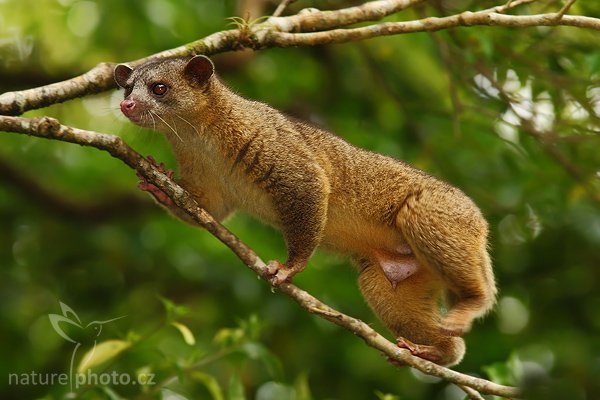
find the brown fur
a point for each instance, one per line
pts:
(238, 154)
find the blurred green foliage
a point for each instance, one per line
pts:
(201, 324)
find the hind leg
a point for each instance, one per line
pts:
(411, 311)
(447, 233)
(469, 299)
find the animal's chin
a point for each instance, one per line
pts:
(138, 120)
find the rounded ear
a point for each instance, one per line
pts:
(198, 70)
(122, 73)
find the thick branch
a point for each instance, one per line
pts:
(95, 80)
(320, 20)
(51, 129)
(277, 32)
(100, 78)
(431, 24)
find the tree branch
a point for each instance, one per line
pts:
(431, 24)
(307, 21)
(50, 128)
(565, 8)
(100, 78)
(302, 29)
(281, 7)
(528, 126)
(471, 393)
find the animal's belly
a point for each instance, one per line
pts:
(376, 244)
(348, 233)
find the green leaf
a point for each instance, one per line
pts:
(100, 353)
(210, 383)
(145, 377)
(235, 391)
(227, 337)
(133, 336)
(173, 310)
(386, 396)
(187, 334)
(275, 391)
(252, 326)
(504, 373)
(302, 387)
(167, 394)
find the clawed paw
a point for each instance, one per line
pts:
(278, 273)
(158, 194)
(429, 353)
(161, 167)
(407, 344)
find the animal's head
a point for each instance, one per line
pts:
(166, 93)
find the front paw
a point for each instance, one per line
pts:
(146, 186)
(158, 194)
(278, 273)
(161, 167)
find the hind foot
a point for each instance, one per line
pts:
(429, 353)
(448, 351)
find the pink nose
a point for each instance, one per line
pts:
(127, 106)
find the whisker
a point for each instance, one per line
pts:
(166, 123)
(189, 123)
(153, 120)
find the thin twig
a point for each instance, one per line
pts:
(471, 393)
(528, 126)
(282, 6)
(564, 9)
(50, 128)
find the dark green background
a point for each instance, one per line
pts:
(415, 97)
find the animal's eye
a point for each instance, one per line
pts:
(128, 90)
(159, 89)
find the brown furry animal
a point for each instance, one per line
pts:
(415, 239)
